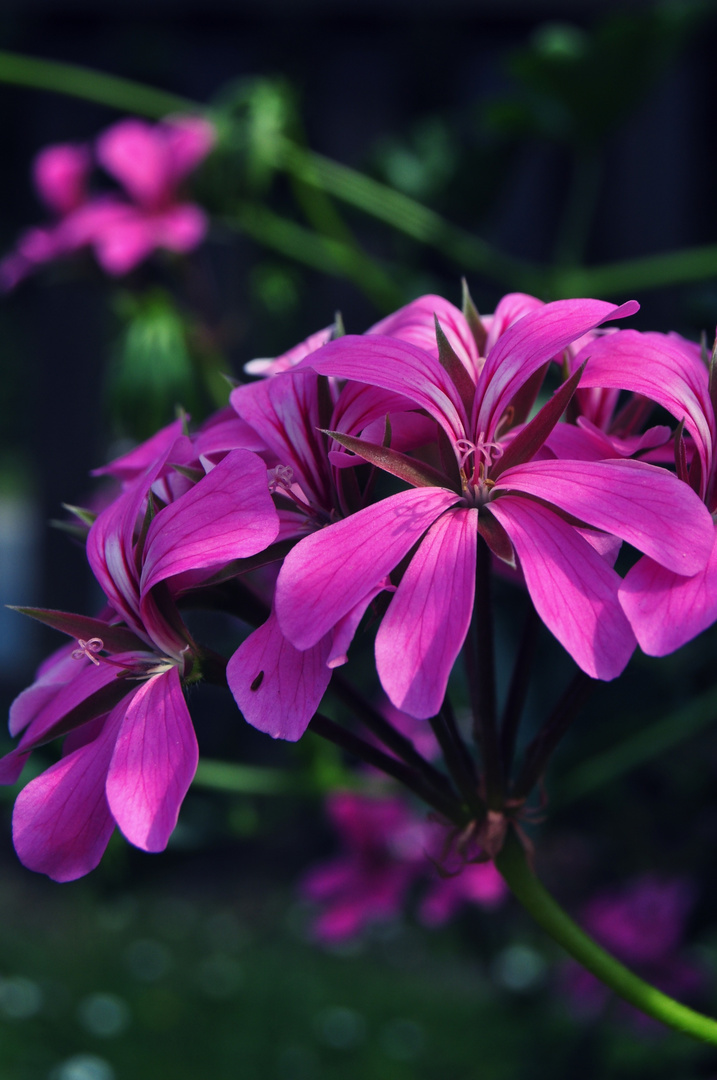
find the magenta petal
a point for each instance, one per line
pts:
(180, 228)
(415, 322)
(284, 412)
(131, 465)
(398, 366)
(346, 628)
(642, 504)
(61, 823)
(154, 762)
(426, 624)
(136, 154)
(329, 572)
(662, 369)
(60, 175)
(11, 765)
(525, 347)
(49, 709)
(667, 610)
(573, 588)
(277, 688)
(227, 515)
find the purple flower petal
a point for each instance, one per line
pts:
(573, 588)
(277, 688)
(398, 366)
(227, 515)
(154, 762)
(329, 572)
(427, 621)
(662, 369)
(665, 609)
(642, 504)
(61, 823)
(525, 347)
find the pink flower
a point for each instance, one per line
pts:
(667, 607)
(150, 161)
(554, 516)
(386, 850)
(131, 751)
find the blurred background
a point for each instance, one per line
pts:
(364, 157)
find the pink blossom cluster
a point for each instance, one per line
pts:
(367, 471)
(150, 162)
(386, 850)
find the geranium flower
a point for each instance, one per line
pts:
(131, 752)
(544, 512)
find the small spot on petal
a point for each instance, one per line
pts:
(257, 681)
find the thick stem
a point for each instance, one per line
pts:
(538, 753)
(485, 719)
(449, 807)
(518, 689)
(526, 887)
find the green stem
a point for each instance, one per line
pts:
(90, 85)
(406, 215)
(513, 866)
(645, 745)
(323, 253)
(244, 779)
(399, 211)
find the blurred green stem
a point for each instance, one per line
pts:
(632, 752)
(91, 85)
(324, 253)
(513, 865)
(470, 253)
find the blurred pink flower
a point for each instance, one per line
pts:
(387, 848)
(150, 161)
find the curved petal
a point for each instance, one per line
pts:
(49, 710)
(398, 366)
(329, 572)
(61, 823)
(154, 762)
(110, 541)
(427, 621)
(277, 688)
(284, 412)
(228, 514)
(666, 610)
(661, 369)
(415, 322)
(136, 154)
(135, 463)
(642, 504)
(526, 345)
(572, 587)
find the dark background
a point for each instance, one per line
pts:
(370, 82)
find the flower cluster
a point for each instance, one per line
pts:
(122, 228)
(386, 850)
(370, 476)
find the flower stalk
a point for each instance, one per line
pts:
(513, 865)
